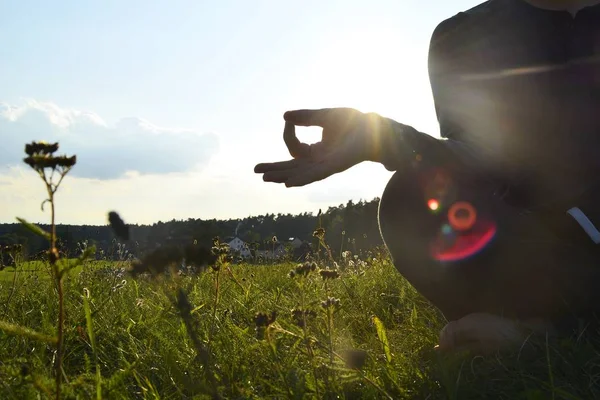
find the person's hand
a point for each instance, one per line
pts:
(349, 137)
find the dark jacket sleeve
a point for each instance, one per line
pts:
(404, 143)
(449, 39)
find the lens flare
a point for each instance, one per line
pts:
(462, 216)
(447, 230)
(433, 204)
(452, 245)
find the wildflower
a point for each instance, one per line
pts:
(274, 239)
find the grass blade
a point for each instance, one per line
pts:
(17, 330)
(383, 338)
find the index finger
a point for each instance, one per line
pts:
(307, 117)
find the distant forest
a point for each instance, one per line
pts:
(352, 226)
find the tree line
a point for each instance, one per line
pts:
(351, 226)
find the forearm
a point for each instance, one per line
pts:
(399, 145)
(402, 146)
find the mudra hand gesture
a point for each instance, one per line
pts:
(349, 138)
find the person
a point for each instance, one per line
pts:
(514, 176)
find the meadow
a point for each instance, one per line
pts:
(259, 331)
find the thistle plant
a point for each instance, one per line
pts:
(52, 169)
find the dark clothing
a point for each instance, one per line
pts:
(521, 86)
(517, 94)
(523, 83)
(527, 271)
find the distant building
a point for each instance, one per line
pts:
(295, 242)
(240, 246)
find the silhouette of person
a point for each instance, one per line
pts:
(494, 222)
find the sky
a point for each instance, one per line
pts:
(168, 105)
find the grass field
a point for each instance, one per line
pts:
(364, 334)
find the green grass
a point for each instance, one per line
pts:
(42, 269)
(125, 338)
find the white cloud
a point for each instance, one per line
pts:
(132, 145)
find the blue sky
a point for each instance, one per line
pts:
(170, 104)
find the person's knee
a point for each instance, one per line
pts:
(404, 221)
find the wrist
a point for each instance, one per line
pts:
(387, 144)
(379, 137)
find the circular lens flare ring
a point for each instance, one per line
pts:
(462, 222)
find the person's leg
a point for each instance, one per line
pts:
(525, 273)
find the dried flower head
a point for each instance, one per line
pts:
(329, 274)
(12, 249)
(319, 233)
(220, 249)
(41, 148)
(262, 321)
(118, 226)
(300, 316)
(39, 162)
(331, 302)
(303, 269)
(40, 155)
